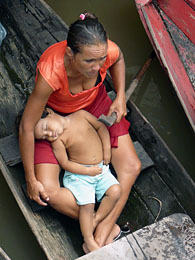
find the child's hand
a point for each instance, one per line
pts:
(94, 170)
(106, 161)
(107, 158)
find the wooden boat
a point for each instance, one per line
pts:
(31, 27)
(170, 27)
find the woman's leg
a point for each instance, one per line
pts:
(60, 198)
(127, 166)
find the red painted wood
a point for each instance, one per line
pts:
(191, 3)
(170, 59)
(143, 2)
(182, 14)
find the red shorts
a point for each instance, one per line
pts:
(101, 105)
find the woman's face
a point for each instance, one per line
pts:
(49, 128)
(90, 59)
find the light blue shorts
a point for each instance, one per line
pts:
(86, 188)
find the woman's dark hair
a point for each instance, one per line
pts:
(86, 31)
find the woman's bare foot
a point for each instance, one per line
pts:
(104, 234)
(113, 234)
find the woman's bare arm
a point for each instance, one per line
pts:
(31, 115)
(117, 71)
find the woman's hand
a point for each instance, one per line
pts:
(119, 107)
(36, 192)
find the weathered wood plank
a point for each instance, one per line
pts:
(184, 47)
(170, 59)
(184, 20)
(46, 226)
(20, 52)
(171, 238)
(9, 149)
(166, 164)
(160, 200)
(10, 102)
(150, 195)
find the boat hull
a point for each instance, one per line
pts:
(170, 31)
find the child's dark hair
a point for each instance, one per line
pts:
(44, 114)
(86, 31)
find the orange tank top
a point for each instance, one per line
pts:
(51, 67)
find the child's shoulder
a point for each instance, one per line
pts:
(81, 113)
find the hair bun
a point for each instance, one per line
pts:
(84, 15)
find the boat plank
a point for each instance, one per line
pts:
(20, 52)
(183, 19)
(185, 49)
(156, 199)
(167, 165)
(9, 149)
(180, 75)
(48, 230)
(173, 237)
(169, 56)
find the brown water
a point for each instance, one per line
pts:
(154, 97)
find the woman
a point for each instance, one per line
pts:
(70, 77)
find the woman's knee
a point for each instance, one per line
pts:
(51, 189)
(130, 168)
(127, 175)
(125, 159)
(135, 167)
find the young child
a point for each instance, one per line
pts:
(81, 145)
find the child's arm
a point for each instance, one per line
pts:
(61, 156)
(103, 134)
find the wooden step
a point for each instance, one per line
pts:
(9, 149)
(171, 238)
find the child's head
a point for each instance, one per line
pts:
(50, 127)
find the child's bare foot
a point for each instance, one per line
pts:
(85, 249)
(90, 246)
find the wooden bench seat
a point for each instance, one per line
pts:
(172, 238)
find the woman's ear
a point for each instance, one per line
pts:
(69, 52)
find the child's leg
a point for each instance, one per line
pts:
(111, 197)
(86, 219)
